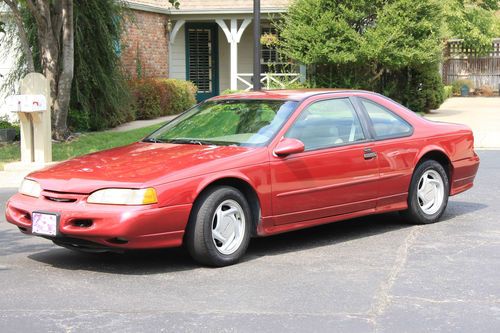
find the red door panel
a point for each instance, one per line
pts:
(323, 183)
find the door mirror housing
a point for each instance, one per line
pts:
(288, 146)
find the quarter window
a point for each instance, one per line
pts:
(327, 123)
(385, 123)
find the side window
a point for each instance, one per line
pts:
(327, 123)
(385, 123)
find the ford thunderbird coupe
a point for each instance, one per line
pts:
(250, 165)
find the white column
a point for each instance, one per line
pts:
(234, 55)
(178, 25)
(233, 36)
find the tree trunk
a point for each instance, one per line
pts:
(61, 103)
(54, 20)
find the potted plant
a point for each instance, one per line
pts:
(462, 87)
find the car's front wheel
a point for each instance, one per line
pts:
(428, 193)
(218, 232)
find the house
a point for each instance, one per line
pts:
(207, 42)
(7, 62)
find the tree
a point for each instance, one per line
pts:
(390, 46)
(377, 45)
(47, 38)
(55, 35)
(99, 94)
(474, 21)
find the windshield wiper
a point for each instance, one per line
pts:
(191, 141)
(154, 140)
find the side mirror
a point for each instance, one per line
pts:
(289, 146)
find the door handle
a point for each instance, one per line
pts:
(369, 154)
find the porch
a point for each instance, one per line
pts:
(216, 53)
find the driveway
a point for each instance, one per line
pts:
(374, 274)
(482, 114)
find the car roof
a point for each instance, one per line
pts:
(281, 94)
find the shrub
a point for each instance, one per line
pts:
(152, 98)
(426, 90)
(78, 120)
(180, 96)
(486, 91)
(146, 98)
(5, 124)
(447, 92)
(458, 84)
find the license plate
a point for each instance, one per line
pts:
(44, 223)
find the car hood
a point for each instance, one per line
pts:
(140, 164)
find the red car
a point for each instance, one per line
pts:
(248, 165)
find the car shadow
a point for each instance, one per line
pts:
(12, 241)
(147, 262)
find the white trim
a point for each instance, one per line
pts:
(227, 11)
(178, 25)
(162, 10)
(246, 22)
(222, 24)
(454, 40)
(147, 8)
(233, 36)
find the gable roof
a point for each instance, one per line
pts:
(207, 7)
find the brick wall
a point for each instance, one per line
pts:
(144, 39)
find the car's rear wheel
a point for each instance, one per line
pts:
(428, 193)
(218, 232)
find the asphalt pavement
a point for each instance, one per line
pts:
(374, 274)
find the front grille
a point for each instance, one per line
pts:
(60, 199)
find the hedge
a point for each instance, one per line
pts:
(154, 97)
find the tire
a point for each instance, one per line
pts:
(218, 231)
(428, 193)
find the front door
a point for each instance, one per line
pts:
(334, 175)
(201, 58)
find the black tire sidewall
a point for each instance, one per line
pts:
(415, 212)
(203, 248)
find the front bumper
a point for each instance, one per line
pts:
(113, 226)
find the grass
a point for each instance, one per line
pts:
(84, 144)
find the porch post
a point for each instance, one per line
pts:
(233, 36)
(171, 39)
(234, 56)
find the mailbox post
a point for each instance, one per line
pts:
(33, 109)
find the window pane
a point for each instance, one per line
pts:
(327, 123)
(385, 123)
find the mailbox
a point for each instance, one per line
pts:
(33, 110)
(26, 103)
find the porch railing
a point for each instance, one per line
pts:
(269, 80)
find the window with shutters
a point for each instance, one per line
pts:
(201, 63)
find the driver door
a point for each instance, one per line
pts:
(336, 174)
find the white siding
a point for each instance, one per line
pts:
(7, 61)
(224, 63)
(245, 55)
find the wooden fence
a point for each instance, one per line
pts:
(464, 63)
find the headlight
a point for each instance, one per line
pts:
(120, 196)
(30, 187)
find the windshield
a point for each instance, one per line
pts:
(227, 122)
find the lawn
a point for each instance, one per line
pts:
(84, 144)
